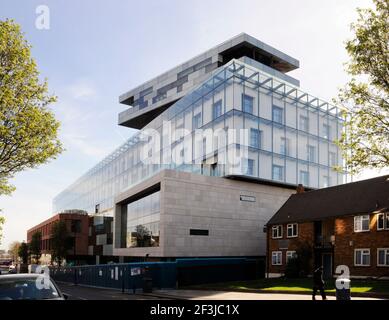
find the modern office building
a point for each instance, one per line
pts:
(224, 139)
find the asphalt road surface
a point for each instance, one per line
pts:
(87, 293)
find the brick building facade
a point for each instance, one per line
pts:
(342, 225)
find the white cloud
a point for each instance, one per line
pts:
(83, 90)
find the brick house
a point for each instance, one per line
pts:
(342, 225)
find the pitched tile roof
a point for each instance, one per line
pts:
(364, 196)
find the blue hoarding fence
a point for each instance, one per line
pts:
(182, 272)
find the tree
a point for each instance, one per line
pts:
(365, 143)
(23, 252)
(61, 242)
(35, 246)
(2, 221)
(28, 128)
(14, 250)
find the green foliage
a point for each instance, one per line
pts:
(365, 144)
(35, 246)
(23, 252)
(300, 265)
(28, 129)
(14, 250)
(2, 221)
(61, 242)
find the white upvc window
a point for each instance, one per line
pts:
(292, 230)
(362, 257)
(361, 223)
(276, 258)
(383, 221)
(290, 255)
(383, 257)
(276, 232)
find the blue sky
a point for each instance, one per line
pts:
(96, 50)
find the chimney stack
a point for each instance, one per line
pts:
(300, 188)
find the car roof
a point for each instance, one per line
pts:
(19, 276)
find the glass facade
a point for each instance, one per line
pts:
(143, 217)
(281, 122)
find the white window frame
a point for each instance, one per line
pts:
(277, 254)
(362, 217)
(290, 254)
(385, 216)
(277, 227)
(362, 254)
(287, 230)
(378, 257)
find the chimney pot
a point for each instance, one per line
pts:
(300, 188)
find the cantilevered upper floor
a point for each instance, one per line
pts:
(150, 99)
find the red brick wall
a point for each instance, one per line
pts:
(305, 235)
(346, 241)
(45, 229)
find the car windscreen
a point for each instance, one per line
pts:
(26, 289)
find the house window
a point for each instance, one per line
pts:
(362, 257)
(198, 232)
(217, 109)
(247, 103)
(278, 173)
(292, 230)
(277, 114)
(284, 146)
(311, 153)
(361, 223)
(304, 123)
(383, 221)
(304, 178)
(290, 255)
(383, 257)
(197, 121)
(276, 232)
(326, 131)
(255, 138)
(276, 258)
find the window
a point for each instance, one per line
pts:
(326, 181)
(276, 258)
(383, 257)
(326, 131)
(277, 115)
(311, 153)
(292, 230)
(383, 221)
(198, 232)
(304, 178)
(304, 123)
(284, 146)
(290, 255)
(362, 257)
(248, 167)
(255, 138)
(332, 156)
(75, 226)
(197, 121)
(361, 223)
(217, 109)
(276, 232)
(278, 173)
(247, 103)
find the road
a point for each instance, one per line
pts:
(86, 293)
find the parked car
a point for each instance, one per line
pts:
(24, 287)
(12, 269)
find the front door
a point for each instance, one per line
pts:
(327, 265)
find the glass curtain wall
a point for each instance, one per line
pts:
(290, 139)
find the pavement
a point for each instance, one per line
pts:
(224, 295)
(90, 293)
